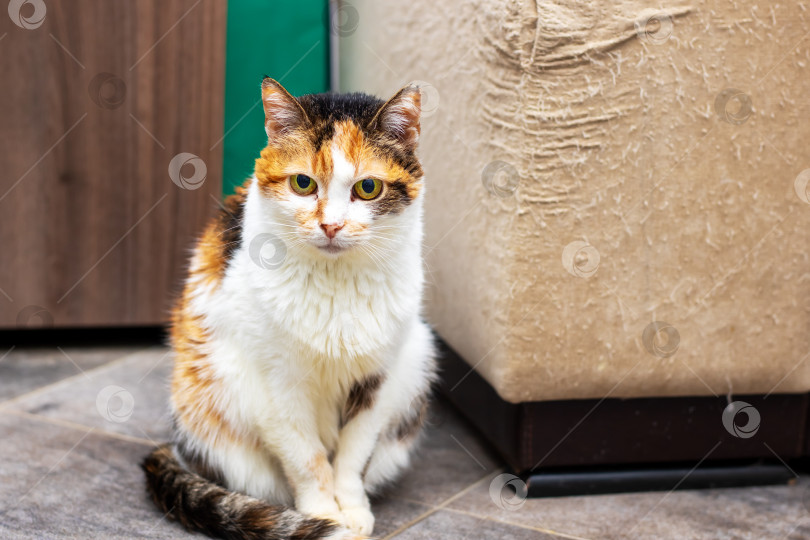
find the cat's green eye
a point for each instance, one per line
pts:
(302, 184)
(367, 189)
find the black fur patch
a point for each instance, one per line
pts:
(397, 152)
(410, 425)
(393, 201)
(230, 219)
(325, 110)
(361, 396)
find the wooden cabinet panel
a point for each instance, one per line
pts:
(96, 99)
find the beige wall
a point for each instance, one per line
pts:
(676, 208)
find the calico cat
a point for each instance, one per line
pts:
(302, 366)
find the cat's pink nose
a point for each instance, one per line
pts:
(331, 229)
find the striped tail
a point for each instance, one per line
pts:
(203, 506)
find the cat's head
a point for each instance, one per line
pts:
(339, 170)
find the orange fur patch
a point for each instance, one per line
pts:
(195, 387)
(321, 470)
(219, 239)
(322, 165)
(349, 138)
(276, 163)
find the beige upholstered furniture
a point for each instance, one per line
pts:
(617, 226)
(641, 166)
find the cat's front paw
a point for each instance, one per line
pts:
(335, 516)
(326, 509)
(359, 519)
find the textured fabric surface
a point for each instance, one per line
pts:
(615, 203)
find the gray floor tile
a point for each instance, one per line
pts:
(129, 397)
(444, 525)
(390, 514)
(96, 490)
(25, 369)
(65, 483)
(59, 482)
(755, 512)
(450, 458)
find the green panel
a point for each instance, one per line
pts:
(287, 40)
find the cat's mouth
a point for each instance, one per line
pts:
(331, 248)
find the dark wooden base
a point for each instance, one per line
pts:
(84, 337)
(601, 437)
(598, 482)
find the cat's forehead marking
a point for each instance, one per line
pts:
(323, 164)
(350, 140)
(344, 167)
(338, 190)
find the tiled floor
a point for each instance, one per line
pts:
(74, 423)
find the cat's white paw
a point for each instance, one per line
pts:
(346, 534)
(359, 519)
(337, 517)
(326, 509)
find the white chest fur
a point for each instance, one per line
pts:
(345, 312)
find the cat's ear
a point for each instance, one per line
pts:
(399, 117)
(282, 112)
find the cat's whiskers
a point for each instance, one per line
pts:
(384, 255)
(237, 226)
(287, 225)
(374, 258)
